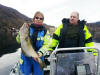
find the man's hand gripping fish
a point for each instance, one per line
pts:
(26, 44)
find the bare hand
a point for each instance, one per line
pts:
(36, 58)
(50, 52)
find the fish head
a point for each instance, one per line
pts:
(24, 30)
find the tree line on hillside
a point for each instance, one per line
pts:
(95, 30)
(10, 21)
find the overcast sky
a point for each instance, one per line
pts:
(55, 10)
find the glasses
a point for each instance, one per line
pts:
(39, 18)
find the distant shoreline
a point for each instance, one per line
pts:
(97, 41)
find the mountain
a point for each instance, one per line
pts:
(10, 22)
(97, 23)
(11, 17)
(95, 30)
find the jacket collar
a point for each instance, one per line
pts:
(66, 20)
(37, 28)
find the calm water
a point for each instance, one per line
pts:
(7, 61)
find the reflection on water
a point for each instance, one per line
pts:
(7, 61)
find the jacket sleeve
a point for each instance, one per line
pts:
(89, 42)
(18, 38)
(45, 45)
(55, 39)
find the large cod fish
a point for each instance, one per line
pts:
(26, 45)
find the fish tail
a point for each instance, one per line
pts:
(42, 64)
